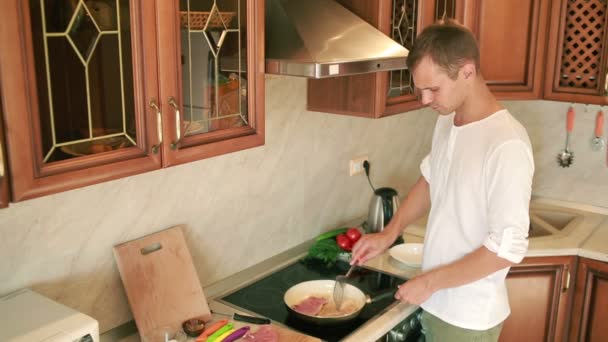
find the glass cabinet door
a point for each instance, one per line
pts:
(405, 26)
(78, 96)
(212, 100)
(83, 66)
(214, 65)
(96, 90)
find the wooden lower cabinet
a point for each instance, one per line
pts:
(590, 312)
(540, 297)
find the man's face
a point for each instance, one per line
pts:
(436, 89)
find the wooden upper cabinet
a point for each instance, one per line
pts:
(540, 297)
(4, 183)
(577, 61)
(77, 77)
(211, 55)
(512, 37)
(95, 90)
(590, 310)
(377, 94)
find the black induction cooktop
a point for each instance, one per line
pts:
(264, 297)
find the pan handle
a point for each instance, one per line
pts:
(384, 294)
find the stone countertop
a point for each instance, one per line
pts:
(596, 247)
(586, 235)
(385, 263)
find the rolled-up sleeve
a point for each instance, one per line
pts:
(425, 168)
(509, 172)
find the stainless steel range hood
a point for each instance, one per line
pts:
(321, 38)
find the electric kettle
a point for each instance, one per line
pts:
(382, 207)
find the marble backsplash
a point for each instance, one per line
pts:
(586, 180)
(245, 207)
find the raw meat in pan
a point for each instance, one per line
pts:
(310, 306)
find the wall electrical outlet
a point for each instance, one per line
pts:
(356, 166)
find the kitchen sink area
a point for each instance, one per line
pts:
(549, 222)
(553, 226)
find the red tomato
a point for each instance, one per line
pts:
(344, 242)
(353, 234)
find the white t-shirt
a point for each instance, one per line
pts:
(480, 179)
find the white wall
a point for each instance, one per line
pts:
(247, 206)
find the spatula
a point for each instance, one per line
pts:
(339, 287)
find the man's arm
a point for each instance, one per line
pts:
(416, 204)
(476, 265)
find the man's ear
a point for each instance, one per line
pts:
(468, 70)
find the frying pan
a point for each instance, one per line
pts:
(324, 288)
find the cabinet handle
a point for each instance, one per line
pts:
(567, 282)
(178, 123)
(159, 125)
(1, 161)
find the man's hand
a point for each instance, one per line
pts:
(476, 265)
(415, 291)
(369, 246)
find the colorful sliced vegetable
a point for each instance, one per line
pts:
(223, 336)
(238, 333)
(211, 329)
(220, 332)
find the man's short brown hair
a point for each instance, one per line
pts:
(448, 44)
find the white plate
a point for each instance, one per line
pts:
(407, 253)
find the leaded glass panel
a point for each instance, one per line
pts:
(82, 55)
(214, 67)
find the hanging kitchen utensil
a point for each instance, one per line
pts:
(339, 287)
(161, 282)
(566, 157)
(597, 142)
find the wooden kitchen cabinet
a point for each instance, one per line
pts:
(378, 94)
(577, 61)
(4, 183)
(590, 309)
(95, 90)
(512, 37)
(540, 297)
(211, 77)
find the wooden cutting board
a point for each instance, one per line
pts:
(161, 283)
(285, 334)
(294, 336)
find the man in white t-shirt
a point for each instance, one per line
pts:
(476, 181)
